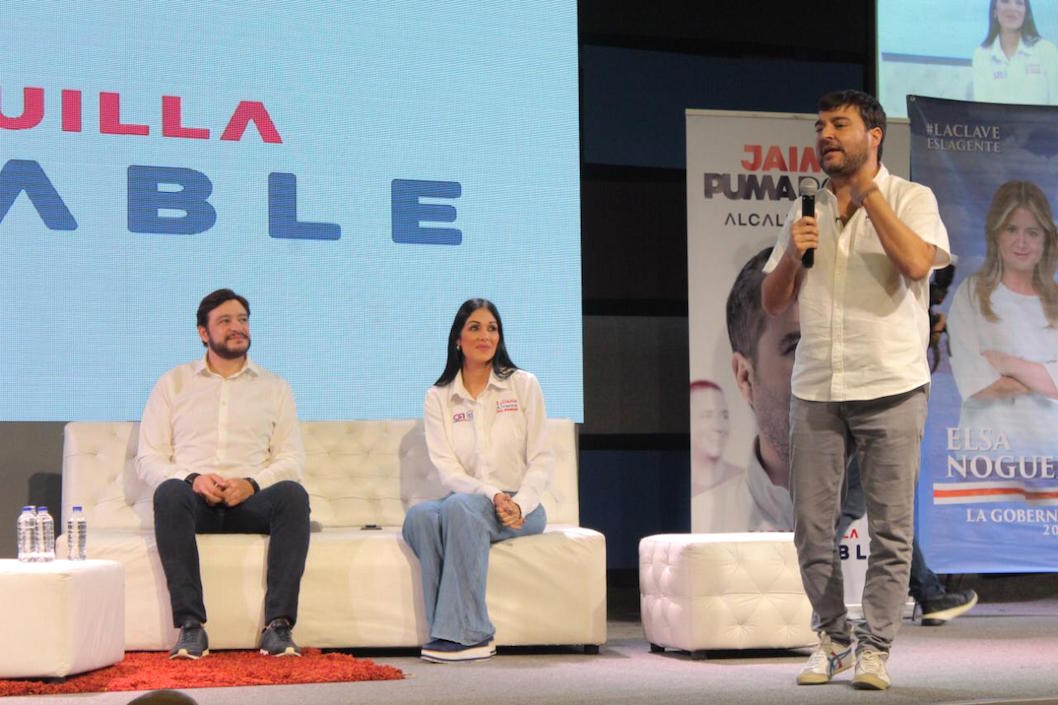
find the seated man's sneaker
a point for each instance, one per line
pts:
(276, 639)
(444, 651)
(193, 642)
(870, 670)
(948, 606)
(828, 660)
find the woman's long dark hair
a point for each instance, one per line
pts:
(1029, 34)
(501, 361)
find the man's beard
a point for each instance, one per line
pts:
(848, 166)
(222, 350)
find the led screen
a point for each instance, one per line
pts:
(356, 169)
(946, 49)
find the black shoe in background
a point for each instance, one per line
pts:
(948, 606)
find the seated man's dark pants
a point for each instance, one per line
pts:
(280, 510)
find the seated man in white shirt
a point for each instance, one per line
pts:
(220, 445)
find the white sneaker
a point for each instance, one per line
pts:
(828, 660)
(870, 670)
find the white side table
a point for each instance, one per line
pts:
(61, 617)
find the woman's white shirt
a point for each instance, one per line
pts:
(1030, 76)
(1028, 420)
(495, 443)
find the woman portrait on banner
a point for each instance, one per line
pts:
(1014, 64)
(486, 435)
(1003, 328)
(710, 429)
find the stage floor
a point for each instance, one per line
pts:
(999, 653)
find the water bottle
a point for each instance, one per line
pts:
(76, 535)
(27, 534)
(45, 535)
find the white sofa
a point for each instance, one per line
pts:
(361, 588)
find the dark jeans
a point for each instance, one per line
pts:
(281, 511)
(924, 585)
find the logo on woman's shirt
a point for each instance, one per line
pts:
(506, 405)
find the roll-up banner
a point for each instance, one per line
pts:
(743, 174)
(988, 493)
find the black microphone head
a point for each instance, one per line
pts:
(808, 186)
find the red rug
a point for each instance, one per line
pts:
(150, 670)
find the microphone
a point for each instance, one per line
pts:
(808, 187)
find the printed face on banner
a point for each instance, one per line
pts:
(710, 423)
(770, 383)
(1021, 242)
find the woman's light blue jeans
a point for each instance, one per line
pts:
(451, 538)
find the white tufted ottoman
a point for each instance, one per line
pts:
(722, 591)
(63, 617)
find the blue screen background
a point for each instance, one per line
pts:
(362, 93)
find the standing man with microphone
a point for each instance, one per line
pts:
(860, 378)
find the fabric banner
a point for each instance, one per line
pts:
(988, 494)
(743, 173)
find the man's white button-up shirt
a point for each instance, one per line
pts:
(864, 325)
(240, 426)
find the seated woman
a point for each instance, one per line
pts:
(1003, 328)
(485, 431)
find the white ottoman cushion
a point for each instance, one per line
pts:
(69, 617)
(723, 591)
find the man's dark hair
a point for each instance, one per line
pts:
(214, 300)
(868, 106)
(745, 314)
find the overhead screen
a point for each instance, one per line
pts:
(935, 49)
(356, 169)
